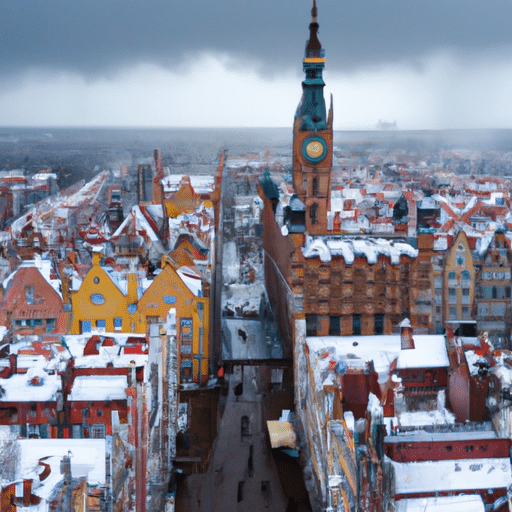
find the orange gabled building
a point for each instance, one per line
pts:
(30, 304)
(105, 301)
(180, 286)
(108, 302)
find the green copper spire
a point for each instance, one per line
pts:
(311, 109)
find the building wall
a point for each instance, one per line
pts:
(458, 280)
(99, 299)
(192, 320)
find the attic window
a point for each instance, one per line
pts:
(29, 294)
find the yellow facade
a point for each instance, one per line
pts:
(192, 319)
(459, 280)
(100, 306)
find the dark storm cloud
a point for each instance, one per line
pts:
(97, 37)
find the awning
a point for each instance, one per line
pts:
(282, 434)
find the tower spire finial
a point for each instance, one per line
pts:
(314, 12)
(313, 47)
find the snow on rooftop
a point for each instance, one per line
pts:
(200, 183)
(87, 457)
(440, 416)
(349, 248)
(451, 475)
(416, 436)
(483, 243)
(99, 387)
(356, 350)
(429, 352)
(44, 176)
(462, 502)
(118, 279)
(18, 387)
(192, 280)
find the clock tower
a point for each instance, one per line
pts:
(312, 138)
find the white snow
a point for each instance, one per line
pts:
(17, 388)
(87, 460)
(349, 248)
(461, 502)
(99, 387)
(422, 418)
(451, 475)
(356, 351)
(429, 352)
(192, 280)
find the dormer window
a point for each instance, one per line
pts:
(29, 294)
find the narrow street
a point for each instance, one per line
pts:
(243, 471)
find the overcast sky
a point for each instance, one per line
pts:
(426, 65)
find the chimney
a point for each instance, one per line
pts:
(27, 493)
(13, 364)
(406, 339)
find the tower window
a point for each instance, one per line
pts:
(334, 326)
(379, 323)
(356, 325)
(315, 186)
(313, 213)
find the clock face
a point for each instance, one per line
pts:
(314, 149)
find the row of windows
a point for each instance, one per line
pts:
(313, 325)
(36, 322)
(452, 313)
(495, 275)
(77, 431)
(465, 275)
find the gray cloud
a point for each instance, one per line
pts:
(99, 37)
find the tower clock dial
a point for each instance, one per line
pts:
(314, 149)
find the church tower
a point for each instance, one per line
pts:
(312, 138)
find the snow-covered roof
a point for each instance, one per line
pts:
(451, 475)
(141, 224)
(416, 436)
(200, 183)
(44, 176)
(382, 350)
(440, 416)
(18, 387)
(87, 457)
(465, 502)
(429, 352)
(44, 267)
(349, 248)
(99, 387)
(192, 279)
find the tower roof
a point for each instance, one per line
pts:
(311, 109)
(313, 46)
